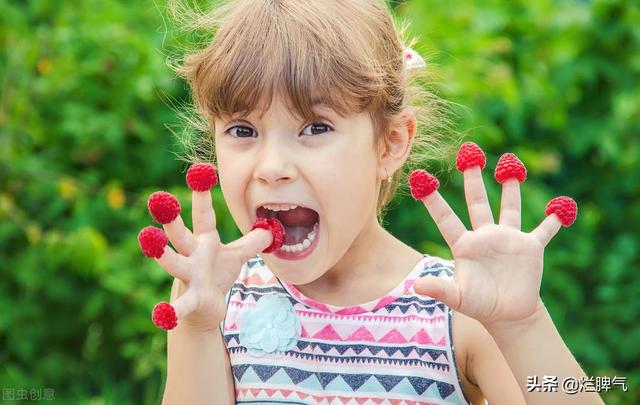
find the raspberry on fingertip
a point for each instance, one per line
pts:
(565, 208)
(164, 207)
(201, 177)
(422, 184)
(164, 316)
(470, 155)
(509, 167)
(277, 230)
(152, 240)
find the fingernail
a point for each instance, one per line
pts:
(152, 240)
(422, 184)
(565, 208)
(201, 177)
(470, 155)
(509, 167)
(164, 316)
(164, 207)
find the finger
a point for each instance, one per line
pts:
(476, 196)
(250, 244)
(547, 229)
(448, 292)
(185, 304)
(204, 217)
(450, 226)
(175, 264)
(510, 207)
(180, 236)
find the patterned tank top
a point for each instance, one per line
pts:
(286, 348)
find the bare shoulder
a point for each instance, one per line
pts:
(483, 371)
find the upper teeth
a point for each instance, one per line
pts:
(280, 207)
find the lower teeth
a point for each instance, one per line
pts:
(304, 244)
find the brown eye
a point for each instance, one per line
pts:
(317, 128)
(241, 132)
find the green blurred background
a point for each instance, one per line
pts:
(85, 103)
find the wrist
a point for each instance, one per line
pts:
(510, 329)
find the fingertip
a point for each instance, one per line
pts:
(152, 241)
(565, 208)
(201, 177)
(164, 316)
(510, 167)
(163, 207)
(470, 155)
(422, 184)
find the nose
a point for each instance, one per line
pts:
(274, 164)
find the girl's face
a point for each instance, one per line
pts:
(329, 165)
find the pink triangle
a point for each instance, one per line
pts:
(422, 337)
(442, 342)
(393, 337)
(302, 395)
(303, 332)
(318, 399)
(286, 393)
(270, 391)
(254, 391)
(253, 280)
(384, 301)
(362, 333)
(327, 333)
(351, 310)
(361, 401)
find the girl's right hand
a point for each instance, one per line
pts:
(205, 267)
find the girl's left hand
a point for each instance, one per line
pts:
(498, 268)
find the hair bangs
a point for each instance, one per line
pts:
(267, 52)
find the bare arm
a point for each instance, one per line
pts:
(535, 348)
(198, 367)
(484, 366)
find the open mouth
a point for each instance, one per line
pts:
(300, 226)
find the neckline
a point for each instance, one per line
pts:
(398, 291)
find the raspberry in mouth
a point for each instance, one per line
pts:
(300, 226)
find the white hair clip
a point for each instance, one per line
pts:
(412, 59)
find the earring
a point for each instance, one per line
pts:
(388, 177)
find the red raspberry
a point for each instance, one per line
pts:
(277, 230)
(509, 167)
(565, 208)
(470, 155)
(164, 316)
(164, 207)
(201, 177)
(422, 184)
(152, 241)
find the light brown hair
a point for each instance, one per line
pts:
(348, 54)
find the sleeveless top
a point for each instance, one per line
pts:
(286, 348)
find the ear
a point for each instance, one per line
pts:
(397, 143)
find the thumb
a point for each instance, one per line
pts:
(442, 290)
(251, 244)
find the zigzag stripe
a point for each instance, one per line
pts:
(389, 307)
(354, 381)
(353, 359)
(357, 348)
(258, 290)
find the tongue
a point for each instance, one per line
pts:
(298, 223)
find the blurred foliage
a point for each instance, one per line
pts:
(84, 107)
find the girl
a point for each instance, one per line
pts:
(310, 111)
